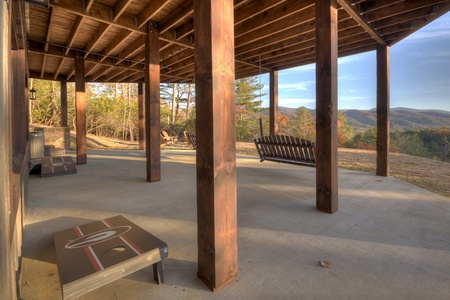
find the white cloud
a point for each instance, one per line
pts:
(296, 70)
(295, 102)
(350, 98)
(348, 59)
(299, 86)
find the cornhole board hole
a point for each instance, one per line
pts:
(57, 165)
(95, 254)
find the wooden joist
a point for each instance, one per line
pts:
(286, 149)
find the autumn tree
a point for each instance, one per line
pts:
(303, 124)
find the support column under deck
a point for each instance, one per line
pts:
(326, 106)
(383, 108)
(80, 100)
(63, 103)
(152, 104)
(141, 121)
(216, 142)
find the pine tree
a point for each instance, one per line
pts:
(248, 93)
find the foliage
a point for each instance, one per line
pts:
(303, 124)
(409, 142)
(111, 110)
(248, 93)
(248, 101)
(365, 140)
(46, 109)
(345, 131)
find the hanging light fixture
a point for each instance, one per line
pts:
(32, 94)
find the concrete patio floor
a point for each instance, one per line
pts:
(388, 240)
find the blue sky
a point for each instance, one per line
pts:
(420, 75)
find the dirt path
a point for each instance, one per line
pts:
(426, 173)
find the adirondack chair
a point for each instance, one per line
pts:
(168, 140)
(192, 138)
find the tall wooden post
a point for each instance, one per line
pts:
(7, 284)
(216, 137)
(273, 122)
(152, 104)
(80, 99)
(383, 107)
(326, 105)
(141, 122)
(63, 103)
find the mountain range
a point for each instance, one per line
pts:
(401, 118)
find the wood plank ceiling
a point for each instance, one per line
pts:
(269, 34)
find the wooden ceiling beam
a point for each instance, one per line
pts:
(288, 13)
(188, 27)
(356, 16)
(55, 51)
(49, 27)
(276, 38)
(44, 60)
(133, 49)
(409, 16)
(72, 73)
(135, 77)
(100, 73)
(73, 33)
(177, 58)
(119, 8)
(397, 28)
(443, 9)
(295, 40)
(114, 74)
(177, 16)
(150, 10)
(96, 37)
(400, 8)
(123, 77)
(99, 12)
(168, 52)
(88, 5)
(90, 67)
(253, 8)
(368, 6)
(58, 69)
(118, 40)
(273, 29)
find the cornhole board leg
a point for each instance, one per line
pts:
(158, 272)
(95, 254)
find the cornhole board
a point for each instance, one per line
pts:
(57, 165)
(95, 254)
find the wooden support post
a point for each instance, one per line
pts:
(63, 103)
(326, 105)
(20, 105)
(152, 104)
(141, 122)
(383, 107)
(216, 142)
(7, 284)
(80, 100)
(273, 102)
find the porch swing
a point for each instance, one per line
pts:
(283, 148)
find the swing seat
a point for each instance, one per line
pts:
(286, 149)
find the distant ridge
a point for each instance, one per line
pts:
(402, 118)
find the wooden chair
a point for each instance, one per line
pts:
(168, 140)
(192, 138)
